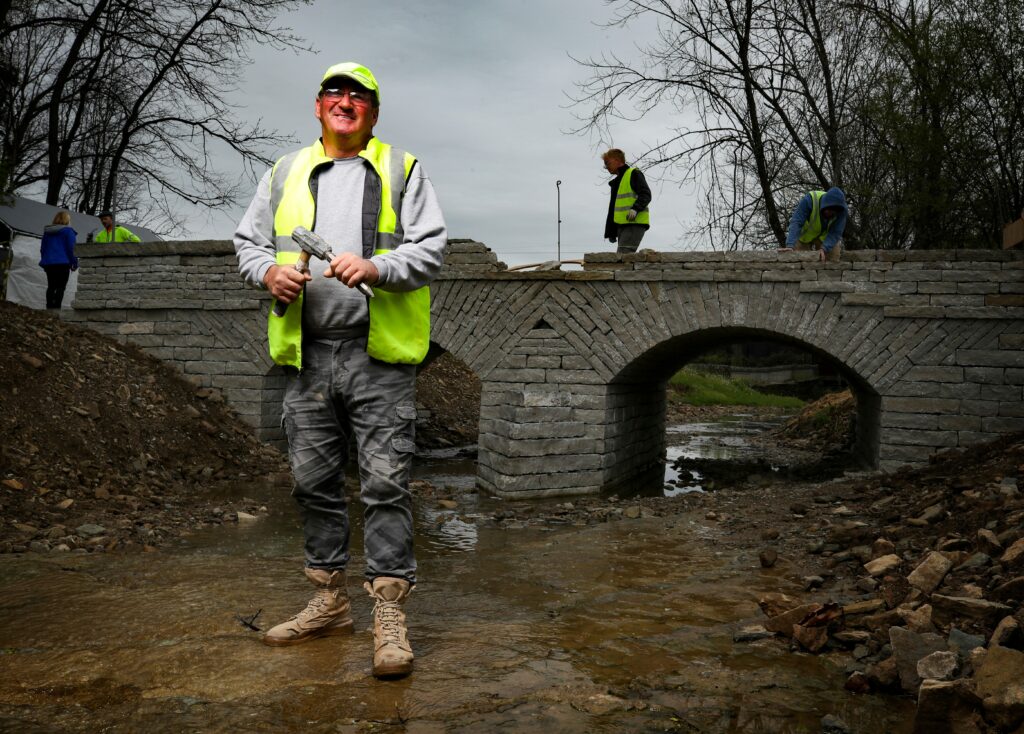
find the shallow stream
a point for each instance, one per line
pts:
(622, 626)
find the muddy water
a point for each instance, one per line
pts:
(722, 440)
(623, 626)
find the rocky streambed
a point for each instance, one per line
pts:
(759, 588)
(912, 582)
(920, 576)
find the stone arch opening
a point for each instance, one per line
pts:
(637, 399)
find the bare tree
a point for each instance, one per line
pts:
(767, 92)
(127, 106)
(914, 107)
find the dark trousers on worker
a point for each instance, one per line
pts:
(341, 393)
(56, 283)
(629, 236)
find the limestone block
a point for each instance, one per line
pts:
(1002, 425)
(1000, 684)
(908, 648)
(1014, 555)
(188, 354)
(908, 436)
(924, 421)
(827, 287)
(139, 327)
(914, 312)
(199, 367)
(990, 357)
(884, 565)
(947, 607)
(579, 377)
(551, 362)
(930, 572)
(959, 423)
(935, 374)
(940, 665)
(932, 287)
(922, 405)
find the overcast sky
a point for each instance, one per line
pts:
(478, 91)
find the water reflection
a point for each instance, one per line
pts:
(724, 440)
(445, 530)
(622, 626)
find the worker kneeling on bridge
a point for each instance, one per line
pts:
(818, 223)
(350, 353)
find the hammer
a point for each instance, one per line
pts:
(313, 244)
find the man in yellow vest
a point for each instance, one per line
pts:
(110, 233)
(628, 216)
(818, 223)
(350, 360)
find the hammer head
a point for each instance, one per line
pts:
(312, 243)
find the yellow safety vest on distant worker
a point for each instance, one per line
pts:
(812, 230)
(624, 201)
(120, 234)
(399, 322)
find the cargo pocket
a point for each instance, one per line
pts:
(403, 438)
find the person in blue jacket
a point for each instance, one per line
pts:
(57, 251)
(818, 223)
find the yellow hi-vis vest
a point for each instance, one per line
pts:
(624, 201)
(120, 234)
(399, 322)
(812, 230)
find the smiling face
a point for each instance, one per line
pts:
(346, 123)
(107, 222)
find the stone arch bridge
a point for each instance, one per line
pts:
(574, 364)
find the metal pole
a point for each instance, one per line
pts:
(558, 188)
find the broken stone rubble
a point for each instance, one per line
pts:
(940, 603)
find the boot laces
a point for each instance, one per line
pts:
(320, 600)
(389, 615)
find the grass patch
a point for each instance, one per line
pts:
(696, 388)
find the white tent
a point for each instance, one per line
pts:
(26, 281)
(23, 221)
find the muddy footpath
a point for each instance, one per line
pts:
(147, 537)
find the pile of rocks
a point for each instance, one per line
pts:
(926, 571)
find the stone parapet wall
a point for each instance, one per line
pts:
(959, 284)
(573, 364)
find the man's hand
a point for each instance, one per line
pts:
(822, 255)
(631, 215)
(352, 270)
(285, 282)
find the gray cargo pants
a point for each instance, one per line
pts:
(342, 392)
(629, 237)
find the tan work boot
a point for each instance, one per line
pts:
(392, 655)
(328, 612)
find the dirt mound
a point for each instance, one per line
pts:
(105, 446)
(828, 421)
(451, 392)
(100, 434)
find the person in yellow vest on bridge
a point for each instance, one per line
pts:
(818, 223)
(349, 359)
(628, 215)
(110, 233)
